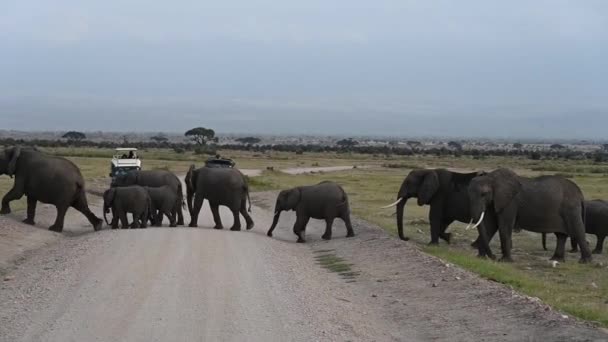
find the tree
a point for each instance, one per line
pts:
(413, 143)
(201, 135)
(248, 140)
(557, 147)
(74, 136)
(347, 143)
(605, 147)
(518, 146)
(159, 138)
(455, 145)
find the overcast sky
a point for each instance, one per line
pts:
(456, 68)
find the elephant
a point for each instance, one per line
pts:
(596, 223)
(164, 202)
(154, 178)
(48, 179)
(445, 191)
(129, 199)
(220, 186)
(324, 201)
(545, 204)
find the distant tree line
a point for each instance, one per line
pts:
(600, 155)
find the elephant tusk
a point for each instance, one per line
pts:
(276, 213)
(392, 204)
(480, 219)
(469, 225)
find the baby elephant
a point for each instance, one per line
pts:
(165, 201)
(596, 223)
(130, 199)
(326, 201)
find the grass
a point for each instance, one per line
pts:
(579, 290)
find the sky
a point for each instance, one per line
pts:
(484, 68)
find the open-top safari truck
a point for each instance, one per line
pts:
(124, 160)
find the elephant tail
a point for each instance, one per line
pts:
(248, 198)
(584, 213)
(180, 196)
(544, 240)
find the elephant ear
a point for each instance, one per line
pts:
(12, 160)
(428, 188)
(293, 198)
(505, 187)
(108, 197)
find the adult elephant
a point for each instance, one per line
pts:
(129, 199)
(546, 204)
(48, 179)
(445, 191)
(596, 223)
(220, 186)
(325, 201)
(154, 178)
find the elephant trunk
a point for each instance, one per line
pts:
(105, 210)
(400, 212)
(275, 220)
(190, 197)
(545, 241)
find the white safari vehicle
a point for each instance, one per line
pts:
(124, 160)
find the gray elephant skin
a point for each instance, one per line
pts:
(48, 179)
(324, 201)
(124, 200)
(154, 178)
(596, 223)
(220, 186)
(502, 200)
(164, 202)
(445, 191)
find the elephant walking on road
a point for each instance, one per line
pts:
(164, 202)
(220, 186)
(130, 199)
(155, 178)
(445, 191)
(48, 179)
(501, 200)
(324, 201)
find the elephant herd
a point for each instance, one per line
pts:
(499, 201)
(502, 201)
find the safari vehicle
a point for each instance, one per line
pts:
(124, 160)
(217, 161)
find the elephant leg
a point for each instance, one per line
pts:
(171, 218)
(135, 222)
(299, 228)
(14, 194)
(82, 206)
(180, 215)
(215, 210)
(483, 246)
(237, 219)
(31, 210)
(576, 229)
(114, 219)
(599, 245)
(248, 219)
(58, 225)
(198, 204)
(573, 244)
(349, 227)
(124, 221)
(328, 225)
(560, 248)
(442, 234)
(435, 219)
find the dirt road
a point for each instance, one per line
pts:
(200, 284)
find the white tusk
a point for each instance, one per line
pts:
(480, 219)
(392, 204)
(276, 213)
(469, 225)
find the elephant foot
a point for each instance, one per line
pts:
(181, 223)
(300, 240)
(585, 260)
(404, 238)
(173, 225)
(486, 256)
(5, 210)
(558, 258)
(269, 234)
(29, 221)
(574, 250)
(235, 229)
(193, 225)
(250, 225)
(114, 227)
(475, 244)
(433, 243)
(56, 229)
(218, 227)
(97, 226)
(447, 237)
(505, 259)
(350, 234)
(597, 251)
(326, 237)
